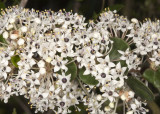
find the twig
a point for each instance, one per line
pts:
(124, 107)
(23, 3)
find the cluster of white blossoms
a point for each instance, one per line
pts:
(46, 42)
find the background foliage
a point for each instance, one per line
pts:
(91, 9)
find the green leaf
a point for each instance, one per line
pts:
(153, 77)
(116, 7)
(88, 79)
(118, 44)
(80, 106)
(72, 69)
(154, 107)
(14, 111)
(140, 89)
(2, 40)
(14, 60)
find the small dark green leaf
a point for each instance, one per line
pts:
(149, 75)
(140, 89)
(118, 44)
(14, 60)
(157, 79)
(88, 79)
(116, 7)
(72, 69)
(153, 77)
(80, 106)
(2, 40)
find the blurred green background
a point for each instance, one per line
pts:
(139, 9)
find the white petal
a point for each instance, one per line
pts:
(37, 82)
(51, 88)
(45, 95)
(86, 72)
(111, 64)
(56, 68)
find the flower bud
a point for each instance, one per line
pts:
(20, 41)
(5, 35)
(99, 97)
(37, 20)
(107, 108)
(111, 105)
(24, 29)
(42, 71)
(41, 64)
(134, 20)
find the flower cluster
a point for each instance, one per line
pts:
(50, 44)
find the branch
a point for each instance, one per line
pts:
(23, 3)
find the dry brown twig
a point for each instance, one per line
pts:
(23, 3)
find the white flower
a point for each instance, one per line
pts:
(130, 112)
(20, 41)
(49, 59)
(107, 108)
(99, 97)
(42, 70)
(131, 94)
(111, 105)
(37, 20)
(41, 64)
(134, 20)
(45, 95)
(10, 26)
(24, 29)
(11, 20)
(5, 35)
(14, 36)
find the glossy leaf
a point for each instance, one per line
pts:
(118, 44)
(153, 77)
(72, 69)
(87, 79)
(140, 89)
(14, 60)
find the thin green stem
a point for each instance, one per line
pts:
(103, 3)
(116, 106)
(3, 44)
(84, 89)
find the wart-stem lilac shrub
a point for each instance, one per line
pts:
(56, 60)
